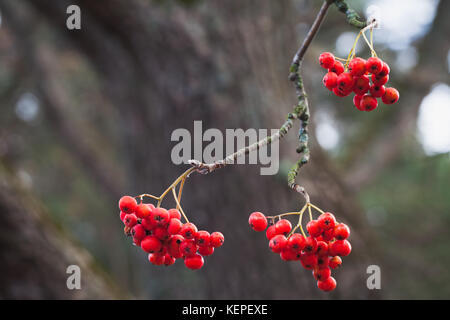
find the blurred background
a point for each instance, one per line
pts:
(87, 115)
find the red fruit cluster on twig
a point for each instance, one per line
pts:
(161, 234)
(366, 79)
(320, 252)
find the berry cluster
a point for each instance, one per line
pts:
(161, 234)
(366, 79)
(319, 252)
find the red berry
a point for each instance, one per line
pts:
(278, 243)
(144, 210)
(206, 250)
(327, 235)
(283, 227)
(384, 71)
(202, 238)
(168, 260)
(147, 224)
(357, 101)
(357, 67)
(288, 255)
(271, 232)
(362, 85)
(161, 233)
(296, 243)
(341, 93)
(337, 67)
(374, 65)
(188, 230)
(313, 228)
(174, 245)
(151, 244)
(379, 81)
(345, 82)
(326, 60)
(127, 204)
(138, 232)
(258, 221)
(322, 248)
(340, 248)
(130, 220)
(188, 248)
(122, 215)
(174, 226)
(194, 262)
(322, 261)
(160, 216)
(326, 221)
(377, 91)
(322, 274)
(330, 80)
(310, 245)
(368, 103)
(335, 262)
(341, 231)
(174, 214)
(308, 261)
(156, 259)
(390, 96)
(216, 239)
(327, 285)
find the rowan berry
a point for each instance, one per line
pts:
(174, 214)
(326, 221)
(258, 221)
(379, 81)
(322, 274)
(296, 243)
(326, 60)
(357, 102)
(390, 96)
(368, 103)
(144, 210)
(377, 91)
(271, 232)
(216, 239)
(174, 226)
(327, 285)
(206, 250)
(345, 82)
(283, 227)
(278, 243)
(308, 260)
(374, 65)
(357, 67)
(156, 259)
(130, 220)
(310, 245)
(168, 260)
(337, 68)
(188, 247)
(151, 244)
(202, 238)
(188, 230)
(138, 232)
(127, 204)
(362, 85)
(341, 231)
(330, 80)
(194, 262)
(340, 248)
(335, 262)
(160, 216)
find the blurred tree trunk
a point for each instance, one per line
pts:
(164, 67)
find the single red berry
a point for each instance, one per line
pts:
(341, 231)
(345, 82)
(327, 235)
(335, 262)
(340, 248)
(327, 285)
(278, 243)
(206, 250)
(174, 243)
(362, 85)
(330, 80)
(174, 214)
(341, 93)
(288, 255)
(161, 233)
(168, 260)
(322, 274)
(308, 260)
(271, 232)
(258, 221)
(368, 103)
(174, 226)
(296, 243)
(310, 245)
(357, 67)
(122, 215)
(326, 60)
(326, 221)
(127, 204)
(194, 262)
(216, 239)
(374, 65)
(147, 224)
(130, 220)
(379, 81)
(283, 227)
(313, 228)
(322, 261)
(188, 248)
(390, 96)
(377, 91)
(203, 238)
(144, 210)
(188, 230)
(322, 248)
(384, 71)
(160, 216)
(357, 101)
(156, 259)
(151, 244)
(138, 232)
(337, 67)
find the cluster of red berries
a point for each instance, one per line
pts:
(320, 251)
(161, 234)
(357, 80)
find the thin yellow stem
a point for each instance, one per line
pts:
(310, 213)
(178, 205)
(174, 184)
(283, 214)
(141, 196)
(318, 209)
(181, 189)
(370, 46)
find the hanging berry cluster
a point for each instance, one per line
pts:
(161, 234)
(320, 251)
(365, 78)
